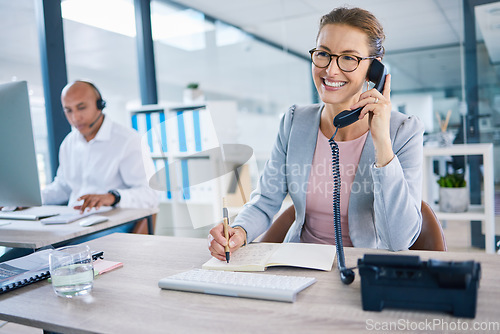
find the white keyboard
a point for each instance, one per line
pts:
(72, 215)
(33, 213)
(237, 284)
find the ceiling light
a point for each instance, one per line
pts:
(183, 29)
(112, 15)
(494, 11)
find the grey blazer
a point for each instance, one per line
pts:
(384, 205)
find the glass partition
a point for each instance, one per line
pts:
(20, 61)
(227, 64)
(488, 61)
(99, 38)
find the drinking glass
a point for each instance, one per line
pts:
(71, 270)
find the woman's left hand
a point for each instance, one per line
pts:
(378, 107)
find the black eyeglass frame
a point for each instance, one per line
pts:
(359, 59)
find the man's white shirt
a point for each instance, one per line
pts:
(113, 159)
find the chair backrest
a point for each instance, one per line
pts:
(281, 225)
(431, 236)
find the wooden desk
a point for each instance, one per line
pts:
(33, 234)
(128, 300)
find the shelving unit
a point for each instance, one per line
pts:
(184, 143)
(485, 212)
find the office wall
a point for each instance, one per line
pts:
(420, 105)
(227, 63)
(20, 61)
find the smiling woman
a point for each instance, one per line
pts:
(423, 55)
(390, 165)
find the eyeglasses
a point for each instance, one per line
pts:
(346, 62)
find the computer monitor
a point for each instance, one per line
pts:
(19, 184)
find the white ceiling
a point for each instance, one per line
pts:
(422, 48)
(408, 24)
(422, 43)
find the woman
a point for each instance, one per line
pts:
(380, 155)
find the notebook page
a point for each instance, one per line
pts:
(24, 267)
(304, 255)
(252, 257)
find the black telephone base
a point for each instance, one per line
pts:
(401, 281)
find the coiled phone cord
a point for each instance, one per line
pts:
(346, 275)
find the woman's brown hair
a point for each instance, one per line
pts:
(361, 19)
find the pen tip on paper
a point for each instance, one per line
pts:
(227, 257)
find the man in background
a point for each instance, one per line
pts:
(100, 162)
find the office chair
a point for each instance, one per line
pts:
(431, 236)
(142, 226)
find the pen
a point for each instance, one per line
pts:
(226, 227)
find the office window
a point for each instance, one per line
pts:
(228, 64)
(488, 53)
(20, 61)
(488, 60)
(432, 80)
(99, 39)
(225, 61)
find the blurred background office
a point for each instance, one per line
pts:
(443, 55)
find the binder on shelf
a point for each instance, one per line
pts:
(162, 170)
(142, 123)
(134, 122)
(208, 135)
(198, 180)
(157, 134)
(197, 131)
(149, 133)
(189, 130)
(170, 125)
(147, 120)
(163, 132)
(181, 131)
(186, 192)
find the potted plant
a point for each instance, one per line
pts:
(193, 94)
(453, 193)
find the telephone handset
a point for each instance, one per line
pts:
(376, 74)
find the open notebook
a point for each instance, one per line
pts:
(259, 256)
(34, 267)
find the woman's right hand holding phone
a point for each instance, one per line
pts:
(217, 241)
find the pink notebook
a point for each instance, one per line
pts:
(103, 266)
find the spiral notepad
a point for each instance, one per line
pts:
(26, 270)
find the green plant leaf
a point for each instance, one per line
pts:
(455, 180)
